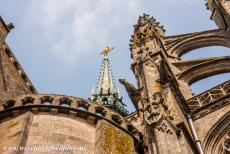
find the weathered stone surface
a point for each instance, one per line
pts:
(204, 124)
(13, 80)
(175, 78)
(111, 140)
(44, 133)
(49, 130)
(13, 84)
(3, 31)
(14, 133)
(162, 98)
(136, 121)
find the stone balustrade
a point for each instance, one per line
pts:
(210, 100)
(210, 96)
(60, 104)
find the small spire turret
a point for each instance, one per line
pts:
(106, 93)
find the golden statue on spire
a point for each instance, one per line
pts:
(107, 50)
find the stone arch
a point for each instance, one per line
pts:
(66, 102)
(187, 43)
(217, 136)
(83, 105)
(100, 111)
(206, 69)
(47, 100)
(206, 52)
(9, 104)
(28, 100)
(210, 83)
(117, 119)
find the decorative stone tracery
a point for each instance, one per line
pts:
(226, 143)
(146, 29)
(217, 140)
(155, 108)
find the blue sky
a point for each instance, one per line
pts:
(58, 42)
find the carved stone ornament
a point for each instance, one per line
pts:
(154, 108)
(143, 36)
(226, 144)
(146, 29)
(165, 127)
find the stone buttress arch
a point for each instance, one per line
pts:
(181, 44)
(206, 69)
(217, 140)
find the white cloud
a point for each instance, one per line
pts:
(74, 27)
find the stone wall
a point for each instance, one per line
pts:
(3, 31)
(111, 140)
(14, 133)
(204, 124)
(43, 133)
(13, 80)
(136, 121)
(12, 84)
(48, 130)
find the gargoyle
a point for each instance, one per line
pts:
(133, 92)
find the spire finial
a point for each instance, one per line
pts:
(107, 50)
(106, 93)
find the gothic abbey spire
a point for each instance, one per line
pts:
(106, 92)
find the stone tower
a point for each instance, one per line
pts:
(168, 116)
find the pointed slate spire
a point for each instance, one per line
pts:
(106, 93)
(105, 82)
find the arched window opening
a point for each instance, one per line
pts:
(65, 102)
(28, 101)
(116, 119)
(46, 100)
(83, 106)
(9, 104)
(100, 111)
(130, 128)
(206, 52)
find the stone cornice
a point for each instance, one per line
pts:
(68, 105)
